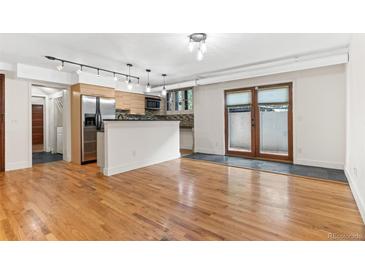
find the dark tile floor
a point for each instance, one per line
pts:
(45, 157)
(277, 167)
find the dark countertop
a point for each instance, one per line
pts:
(145, 120)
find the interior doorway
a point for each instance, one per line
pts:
(258, 122)
(38, 127)
(47, 124)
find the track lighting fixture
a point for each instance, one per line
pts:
(98, 70)
(164, 91)
(60, 67)
(200, 40)
(79, 70)
(148, 86)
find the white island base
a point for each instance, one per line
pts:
(128, 145)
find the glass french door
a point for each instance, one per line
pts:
(239, 117)
(259, 122)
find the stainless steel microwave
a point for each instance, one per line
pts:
(153, 103)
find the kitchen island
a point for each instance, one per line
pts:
(126, 145)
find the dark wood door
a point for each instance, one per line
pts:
(37, 124)
(2, 122)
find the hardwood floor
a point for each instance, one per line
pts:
(177, 200)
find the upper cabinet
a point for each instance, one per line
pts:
(133, 102)
(92, 90)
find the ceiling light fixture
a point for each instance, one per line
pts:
(79, 70)
(200, 39)
(164, 90)
(130, 84)
(60, 67)
(63, 62)
(148, 86)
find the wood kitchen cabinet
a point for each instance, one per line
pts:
(133, 102)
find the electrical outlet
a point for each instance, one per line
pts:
(355, 171)
(134, 153)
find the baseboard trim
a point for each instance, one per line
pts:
(306, 162)
(135, 165)
(18, 165)
(186, 147)
(359, 202)
(207, 151)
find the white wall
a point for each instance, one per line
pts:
(17, 124)
(318, 114)
(355, 138)
(126, 146)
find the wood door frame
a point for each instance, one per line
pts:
(255, 128)
(2, 122)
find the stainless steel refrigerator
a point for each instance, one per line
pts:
(93, 111)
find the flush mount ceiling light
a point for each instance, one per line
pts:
(164, 91)
(198, 39)
(148, 86)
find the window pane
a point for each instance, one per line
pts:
(239, 128)
(275, 95)
(238, 98)
(190, 99)
(178, 100)
(274, 129)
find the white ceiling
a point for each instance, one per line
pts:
(162, 53)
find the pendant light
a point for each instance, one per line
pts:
(115, 77)
(98, 73)
(148, 86)
(164, 90)
(129, 80)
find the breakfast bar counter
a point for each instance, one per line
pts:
(126, 145)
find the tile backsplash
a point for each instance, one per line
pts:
(186, 120)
